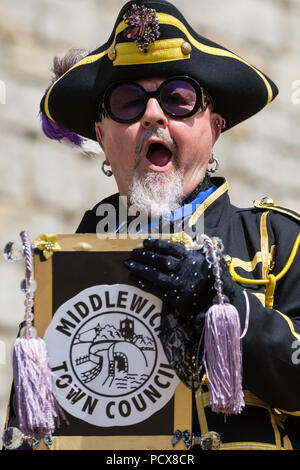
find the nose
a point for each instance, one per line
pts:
(153, 115)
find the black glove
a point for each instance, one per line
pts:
(177, 275)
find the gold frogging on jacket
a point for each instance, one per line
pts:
(271, 279)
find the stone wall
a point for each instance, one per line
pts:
(46, 186)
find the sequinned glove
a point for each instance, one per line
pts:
(175, 274)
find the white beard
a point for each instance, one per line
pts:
(156, 193)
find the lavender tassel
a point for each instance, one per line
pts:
(222, 342)
(37, 409)
(223, 359)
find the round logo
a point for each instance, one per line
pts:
(109, 365)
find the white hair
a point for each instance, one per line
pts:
(156, 193)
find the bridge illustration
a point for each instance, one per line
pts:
(115, 353)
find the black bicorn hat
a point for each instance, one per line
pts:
(151, 38)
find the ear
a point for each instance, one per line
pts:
(216, 125)
(99, 134)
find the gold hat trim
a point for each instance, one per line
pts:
(164, 50)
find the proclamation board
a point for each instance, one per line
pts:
(112, 378)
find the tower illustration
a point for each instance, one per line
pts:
(127, 329)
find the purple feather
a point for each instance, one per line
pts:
(51, 129)
(56, 132)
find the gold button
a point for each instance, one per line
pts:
(227, 258)
(186, 48)
(267, 201)
(112, 54)
(210, 441)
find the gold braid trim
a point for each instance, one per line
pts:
(271, 280)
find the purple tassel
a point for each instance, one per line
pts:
(37, 409)
(222, 340)
(223, 359)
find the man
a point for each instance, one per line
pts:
(156, 96)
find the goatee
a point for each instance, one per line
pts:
(156, 194)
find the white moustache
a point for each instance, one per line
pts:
(157, 132)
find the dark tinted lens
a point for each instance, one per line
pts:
(178, 97)
(127, 101)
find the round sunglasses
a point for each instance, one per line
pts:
(179, 97)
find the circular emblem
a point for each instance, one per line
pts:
(109, 365)
(113, 353)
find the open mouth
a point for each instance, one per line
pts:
(158, 154)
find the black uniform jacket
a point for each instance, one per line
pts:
(263, 243)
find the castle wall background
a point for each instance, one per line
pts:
(46, 186)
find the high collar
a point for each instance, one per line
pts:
(216, 209)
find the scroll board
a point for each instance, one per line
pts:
(112, 378)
